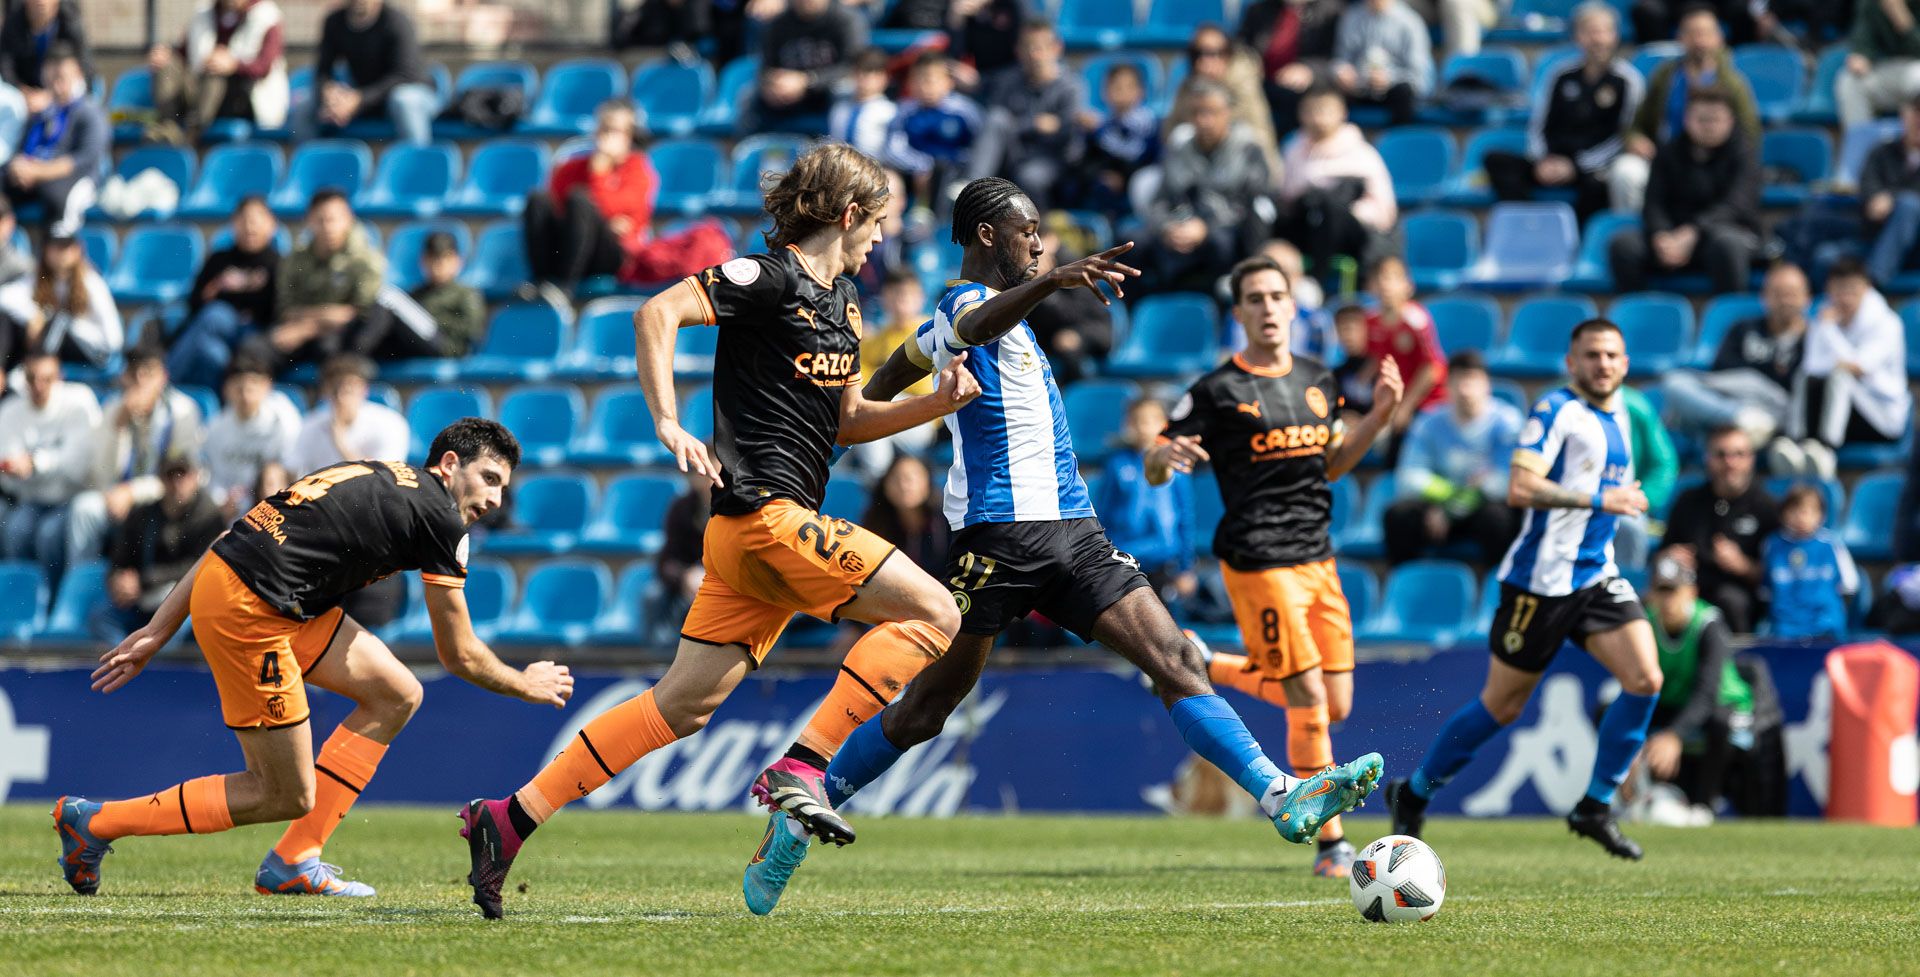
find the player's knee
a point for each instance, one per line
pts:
(1181, 672)
(942, 613)
(404, 700)
(1505, 710)
(913, 727)
(1646, 683)
(1338, 711)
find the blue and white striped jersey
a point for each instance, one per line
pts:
(1583, 448)
(1012, 456)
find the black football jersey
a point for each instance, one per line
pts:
(342, 528)
(789, 345)
(1268, 433)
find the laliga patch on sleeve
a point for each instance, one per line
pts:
(1183, 408)
(460, 552)
(741, 271)
(1533, 432)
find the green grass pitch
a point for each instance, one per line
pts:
(627, 893)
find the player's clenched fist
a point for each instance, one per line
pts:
(958, 384)
(547, 684)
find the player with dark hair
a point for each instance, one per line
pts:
(1271, 424)
(1025, 538)
(1573, 475)
(265, 601)
(786, 390)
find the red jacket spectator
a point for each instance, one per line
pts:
(624, 193)
(1411, 342)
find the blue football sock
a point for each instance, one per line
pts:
(1469, 728)
(862, 759)
(1213, 730)
(1622, 732)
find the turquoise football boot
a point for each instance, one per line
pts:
(311, 877)
(80, 849)
(1327, 794)
(767, 874)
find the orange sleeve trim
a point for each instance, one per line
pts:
(700, 292)
(441, 580)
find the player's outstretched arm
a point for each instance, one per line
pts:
(894, 376)
(1529, 489)
(864, 419)
(125, 660)
(1388, 388)
(465, 655)
(655, 326)
(993, 318)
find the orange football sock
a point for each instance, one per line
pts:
(608, 744)
(1310, 750)
(880, 664)
(1232, 672)
(196, 807)
(346, 763)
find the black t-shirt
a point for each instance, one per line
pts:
(1699, 515)
(253, 297)
(342, 528)
(789, 346)
(1268, 433)
(1750, 345)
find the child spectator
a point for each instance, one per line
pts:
(1120, 142)
(1154, 523)
(1810, 574)
(861, 120)
(1355, 373)
(458, 312)
(1401, 329)
(903, 307)
(933, 134)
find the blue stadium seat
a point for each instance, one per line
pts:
(1489, 603)
(1441, 246)
(1364, 533)
(570, 93)
(1806, 154)
(696, 415)
(498, 264)
(1536, 345)
(1465, 321)
(1504, 68)
(730, 93)
(1657, 327)
(101, 244)
(1650, 56)
(1535, 22)
(436, 407)
(1867, 529)
(619, 431)
(1425, 602)
(157, 263)
(689, 174)
(1831, 491)
(1777, 76)
(632, 516)
(523, 342)
(176, 163)
(1910, 318)
(229, 173)
(845, 499)
(489, 591)
(753, 157)
(1592, 270)
(670, 95)
(624, 622)
(1095, 410)
(132, 96)
(693, 352)
(550, 511)
(1170, 23)
(561, 602)
(342, 164)
(1362, 590)
(1528, 245)
(1096, 24)
(545, 419)
(1469, 186)
(1347, 502)
(411, 181)
(499, 178)
(82, 588)
(1420, 159)
(1512, 393)
(1817, 108)
(604, 348)
(23, 599)
(1094, 75)
(1722, 312)
(1862, 456)
(1208, 509)
(203, 398)
(1172, 334)
(407, 241)
(499, 74)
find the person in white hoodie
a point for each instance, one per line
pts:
(1853, 382)
(1336, 197)
(46, 451)
(64, 307)
(255, 429)
(138, 429)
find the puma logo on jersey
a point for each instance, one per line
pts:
(1253, 409)
(807, 314)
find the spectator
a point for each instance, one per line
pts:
(1212, 59)
(1356, 371)
(348, 426)
(1294, 39)
(1214, 187)
(1153, 523)
(933, 135)
(1463, 21)
(984, 34)
(34, 29)
(678, 569)
(378, 49)
(148, 421)
(903, 307)
(1656, 466)
(1402, 330)
(1383, 57)
(1073, 326)
(805, 52)
(1897, 609)
(1753, 369)
(255, 429)
(64, 149)
(328, 285)
(1574, 133)
(459, 313)
(1718, 528)
(1118, 144)
(159, 542)
(1853, 380)
(13, 121)
(64, 309)
(232, 300)
(15, 263)
(906, 513)
(596, 207)
(1810, 574)
(861, 119)
(1890, 196)
(1702, 205)
(1030, 136)
(1451, 480)
(231, 64)
(46, 456)
(1883, 61)
(659, 23)
(1704, 62)
(1336, 197)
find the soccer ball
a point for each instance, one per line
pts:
(1398, 880)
